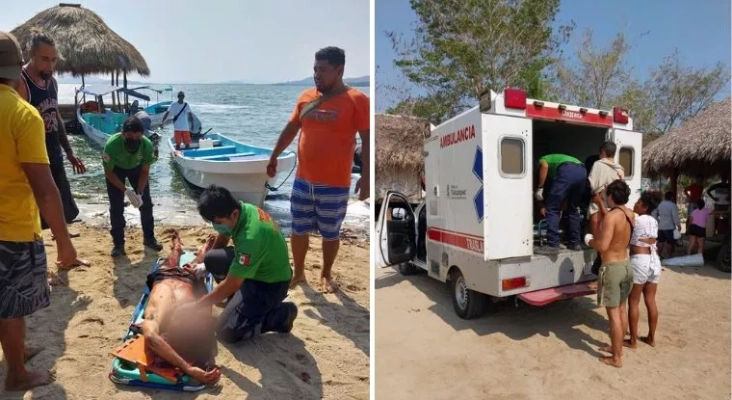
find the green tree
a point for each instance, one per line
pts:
(595, 75)
(680, 92)
(462, 47)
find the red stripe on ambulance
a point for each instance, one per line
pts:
(464, 241)
(556, 114)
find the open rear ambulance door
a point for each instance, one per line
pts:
(507, 172)
(397, 233)
(628, 155)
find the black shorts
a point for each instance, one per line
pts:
(666, 236)
(697, 231)
(23, 279)
(163, 273)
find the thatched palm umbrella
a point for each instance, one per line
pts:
(699, 147)
(399, 153)
(86, 43)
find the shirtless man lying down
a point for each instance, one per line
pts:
(188, 341)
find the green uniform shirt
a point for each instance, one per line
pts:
(555, 160)
(116, 155)
(261, 250)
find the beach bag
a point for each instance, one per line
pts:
(310, 106)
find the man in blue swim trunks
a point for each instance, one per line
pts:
(328, 117)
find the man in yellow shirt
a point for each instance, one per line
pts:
(26, 185)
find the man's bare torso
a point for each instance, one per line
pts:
(618, 249)
(165, 296)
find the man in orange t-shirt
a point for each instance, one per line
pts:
(328, 116)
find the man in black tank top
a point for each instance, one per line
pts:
(39, 88)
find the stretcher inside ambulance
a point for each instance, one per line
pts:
(479, 225)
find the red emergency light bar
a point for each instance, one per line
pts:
(514, 98)
(620, 115)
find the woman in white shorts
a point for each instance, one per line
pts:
(646, 269)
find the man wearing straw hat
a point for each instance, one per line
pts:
(39, 88)
(26, 185)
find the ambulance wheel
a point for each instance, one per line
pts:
(406, 269)
(724, 258)
(468, 304)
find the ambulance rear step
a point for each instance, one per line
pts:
(546, 296)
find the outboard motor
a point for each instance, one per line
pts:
(154, 137)
(146, 122)
(134, 108)
(196, 129)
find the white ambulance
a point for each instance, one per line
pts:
(478, 224)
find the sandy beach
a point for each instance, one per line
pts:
(425, 351)
(325, 356)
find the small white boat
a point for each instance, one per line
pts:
(222, 161)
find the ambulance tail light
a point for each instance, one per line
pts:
(620, 115)
(514, 98)
(514, 283)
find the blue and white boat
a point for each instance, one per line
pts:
(223, 161)
(157, 109)
(96, 120)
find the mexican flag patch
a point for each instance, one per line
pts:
(244, 259)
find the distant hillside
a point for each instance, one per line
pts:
(360, 81)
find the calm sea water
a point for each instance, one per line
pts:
(253, 114)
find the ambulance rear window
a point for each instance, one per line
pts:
(625, 159)
(512, 156)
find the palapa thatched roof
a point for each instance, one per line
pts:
(400, 143)
(86, 43)
(699, 147)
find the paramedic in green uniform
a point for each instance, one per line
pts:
(128, 156)
(566, 179)
(255, 270)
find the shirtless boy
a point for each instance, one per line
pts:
(188, 341)
(615, 278)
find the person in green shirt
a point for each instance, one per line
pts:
(566, 180)
(128, 156)
(254, 274)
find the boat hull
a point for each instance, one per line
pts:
(98, 137)
(245, 177)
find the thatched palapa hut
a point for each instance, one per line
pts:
(699, 147)
(399, 154)
(86, 43)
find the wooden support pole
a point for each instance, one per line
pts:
(674, 183)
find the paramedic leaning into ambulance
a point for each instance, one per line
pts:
(566, 179)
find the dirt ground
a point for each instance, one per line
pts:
(425, 351)
(325, 356)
